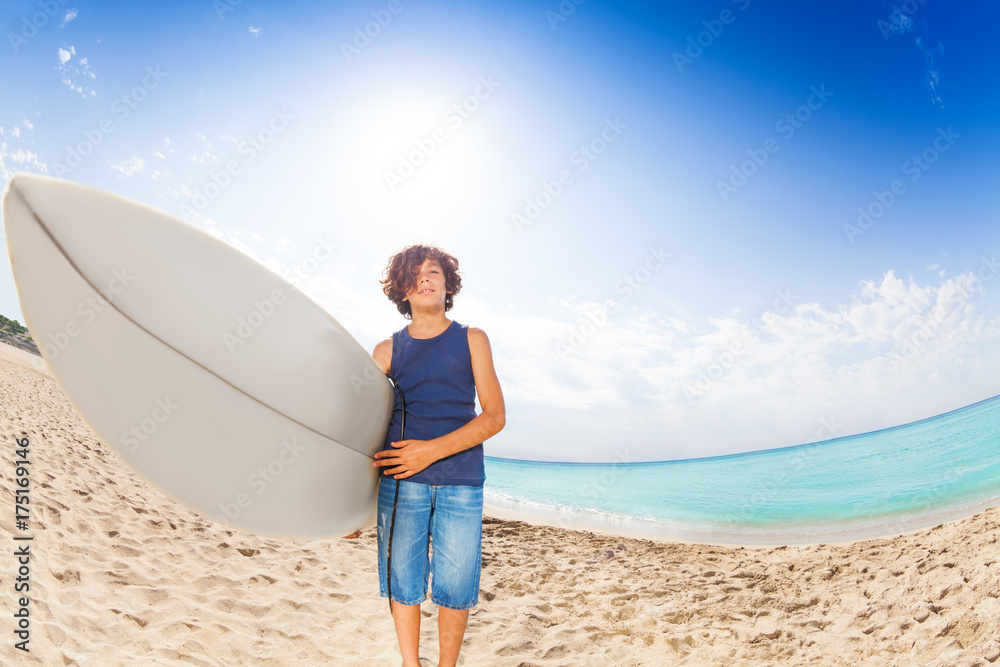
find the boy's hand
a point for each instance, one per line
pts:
(408, 458)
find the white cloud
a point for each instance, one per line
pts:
(902, 23)
(936, 267)
(931, 70)
(15, 132)
(721, 386)
(24, 161)
(72, 74)
(28, 124)
(256, 32)
(167, 150)
(22, 156)
(128, 167)
(236, 242)
(70, 15)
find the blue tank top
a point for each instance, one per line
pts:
(435, 376)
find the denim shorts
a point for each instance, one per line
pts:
(449, 520)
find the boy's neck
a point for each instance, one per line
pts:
(427, 325)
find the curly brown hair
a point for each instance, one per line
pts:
(401, 275)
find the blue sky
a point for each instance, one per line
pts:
(656, 208)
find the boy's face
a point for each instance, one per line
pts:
(429, 288)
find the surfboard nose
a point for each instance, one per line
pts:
(13, 197)
(16, 212)
(17, 207)
(14, 181)
(19, 188)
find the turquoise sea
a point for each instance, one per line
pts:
(870, 485)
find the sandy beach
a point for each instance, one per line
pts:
(120, 575)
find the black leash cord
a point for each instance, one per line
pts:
(395, 500)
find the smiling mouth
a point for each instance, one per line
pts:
(426, 291)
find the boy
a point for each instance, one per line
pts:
(439, 366)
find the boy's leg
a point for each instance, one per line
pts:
(451, 631)
(406, 618)
(410, 566)
(456, 539)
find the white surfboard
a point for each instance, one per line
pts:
(216, 380)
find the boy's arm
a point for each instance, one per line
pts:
(412, 456)
(494, 416)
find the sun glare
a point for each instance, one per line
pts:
(418, 155)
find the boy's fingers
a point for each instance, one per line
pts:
(388, 452)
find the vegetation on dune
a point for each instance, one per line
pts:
(12, 327)
(14, 333)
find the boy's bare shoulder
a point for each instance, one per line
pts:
(478, 339)
(383, 354)
(476, 332)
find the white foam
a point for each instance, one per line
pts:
(733, 534)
